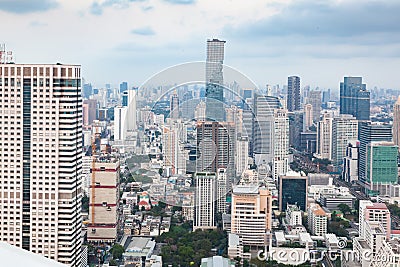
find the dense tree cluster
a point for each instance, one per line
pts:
(187, 248)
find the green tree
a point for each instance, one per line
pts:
(113, 263)
(344, 208)
(117, 250)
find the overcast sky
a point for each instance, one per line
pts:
(131, 40)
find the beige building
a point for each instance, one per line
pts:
(317, 220)
(251, 214)
(103, 201)
(41, 159)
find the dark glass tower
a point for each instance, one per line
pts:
(354, 98)
(293, 95)
(293, 190)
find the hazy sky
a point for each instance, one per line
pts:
(130, 40)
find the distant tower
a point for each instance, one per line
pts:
(344, 129)
(314, 98)
(354, 98)
(396, 122)
(215, 80)
(280, 143)
(293, 95)
(308, 117)
(174, 106)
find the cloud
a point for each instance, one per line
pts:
(97, 7)
(38, 24)
(146, 31)
(23, 7)
(328, 18)
(181, 2)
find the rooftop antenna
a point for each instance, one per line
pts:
(5, 56)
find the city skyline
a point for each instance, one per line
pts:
(281, 45)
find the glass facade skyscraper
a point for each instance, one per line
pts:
(215, 80)
(293, 96)
(354, 98)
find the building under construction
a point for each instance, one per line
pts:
(103, 201)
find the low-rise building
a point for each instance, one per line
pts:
(317, 220)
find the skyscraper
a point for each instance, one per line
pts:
(280, 161)
(263, 126)
(215, 147)
(324, 137)
(174, 106)
(396, 122)
(381, 167)
(40, 159)
(215, 80)
(205, 201)
(293, 95)
(344, 129)
(314, 98)
(354, 98)
(370, 132)
(308, 117)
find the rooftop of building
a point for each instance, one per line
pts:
(14, 256)
(216, 261)
(381, 206)
(245, 189)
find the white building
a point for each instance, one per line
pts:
(308, 117)
(293, 215)
(41, 159)
(222, 190)
(280, 161)
(317, 220)
(125, 117)
(324, 137)
(350, 162)
(242, 154)
(205, 198)
(249, 176)
(344, 129)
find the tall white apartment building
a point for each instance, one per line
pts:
(41, 159)
(251, 216)
(205, 201)
(374, 212)
(308, 117)
(280, 161)
(293, 215)
(222, 190)
(324, 137)
(242, 154)
(317, 220)
(344, 129)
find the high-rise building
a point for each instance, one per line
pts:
(125, 117)
(314, 98)
(234, 114)
(293, 95)
(280, 160)
(324, 137)
(174, 106)
(370, 132)
(354, 98)
(215, 80)
(373, 212)
(242, 154)
(200, 111)
(89, 110)
(296, 119)
(123, 87)
(317, 220)
(308, 117)
(381, 167)
(41, 159)
(251, 217)
(344, 129)
(205, 201)
(216, 147)
(350, 162)
(222, 190)
(396, 123)
(293, 190)
(263, 127)
(103, 201)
